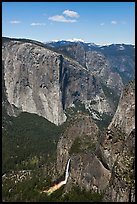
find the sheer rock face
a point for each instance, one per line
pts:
(125, 114)
(38, 80)
(31, 78)
(119, 148)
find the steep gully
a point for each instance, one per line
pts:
(57, 186)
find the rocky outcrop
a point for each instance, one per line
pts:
(121, 187)
(82, 131)
(79, 142)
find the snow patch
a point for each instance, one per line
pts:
(121, 47)
(76, 40)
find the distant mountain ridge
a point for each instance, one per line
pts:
(56, 43)
(77, 40)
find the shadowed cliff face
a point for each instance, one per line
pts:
(119, 148)
(125, 114)
(122, 124)
(38, 80)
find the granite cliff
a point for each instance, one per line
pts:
(119, 148)
(80, 143)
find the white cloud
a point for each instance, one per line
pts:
(102, 24)
(15, 22)
(37, 24)
(60, 18)
(114, 22)
(71, 14)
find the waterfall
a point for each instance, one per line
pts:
(57, 186)
(67, 172)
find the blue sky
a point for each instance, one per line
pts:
(96, 22)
